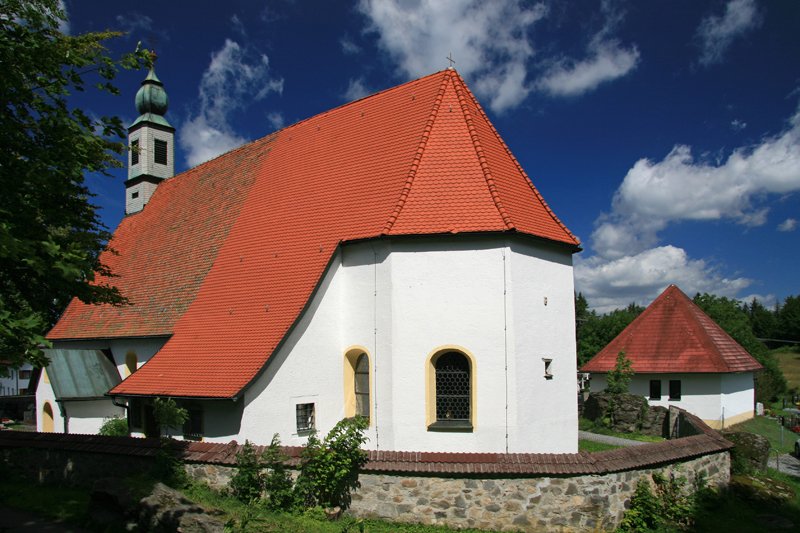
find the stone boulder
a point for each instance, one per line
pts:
(655, 421)
(621, 412)
(166, 509)
(750, 453)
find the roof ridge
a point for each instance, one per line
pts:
(519, 167)
(412, 173)
(487, 174)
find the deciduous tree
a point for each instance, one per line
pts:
(51, 236)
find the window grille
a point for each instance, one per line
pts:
(655, 389)
(135, 152)
(674, 389)
(362, 386)
(305, 417)
(160, 150)
(452, 387)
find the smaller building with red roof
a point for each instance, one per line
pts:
(681, 357)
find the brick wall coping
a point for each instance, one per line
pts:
(707, 441)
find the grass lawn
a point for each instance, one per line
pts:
(587, 425)
(730, 511)
(592, 446)
(771, 429)
(59, 503)
(789, 362)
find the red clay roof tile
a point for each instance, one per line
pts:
(225, 256)
(673, 335)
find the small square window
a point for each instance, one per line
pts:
(305, 417)
(135, 195)
(675, 389)
(655, 389)
(548, 368)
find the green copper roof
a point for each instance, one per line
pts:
(152, 101)
(80, 374)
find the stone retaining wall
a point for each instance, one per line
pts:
(550, 492)
(578, 503)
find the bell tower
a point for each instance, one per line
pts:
(151, 139)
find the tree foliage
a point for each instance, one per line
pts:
(595, 331)
(168, 414)
(730, 316)
(50, 232)
(619, 378)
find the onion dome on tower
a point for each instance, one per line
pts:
(151, 143)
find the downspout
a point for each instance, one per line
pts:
(63, 407)
(375, 338)
(505, 338)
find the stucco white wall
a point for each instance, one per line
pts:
(44, 394)
(402, 299)
(714, 398)
(86, 417)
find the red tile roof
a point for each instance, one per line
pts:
(673, 335)
(420, 158)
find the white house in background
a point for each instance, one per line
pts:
(17, 382)
(682, 357)
(388, 258)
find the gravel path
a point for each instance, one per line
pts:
(607, 439)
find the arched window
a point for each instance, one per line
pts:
(47, 418)
(451, 384)
(361, 386)
(357, 383)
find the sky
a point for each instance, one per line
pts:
(664, 134)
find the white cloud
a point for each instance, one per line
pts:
(639, 278)
(63, 24)
(489, 41)
(630, 262)
(716, 33)
(356, 89)
(133, 23)
(234, 78)
(738, 125)
(790, 224)
(276, 120)
(348, 46)
(607, 61)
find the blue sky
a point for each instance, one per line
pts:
(665, 134)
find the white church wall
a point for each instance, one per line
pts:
(400, 301)
(307, 368)
(543, 412)
(86, 417)
(45, 395)
(447, 293)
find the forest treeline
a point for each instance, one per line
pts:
(751, 324)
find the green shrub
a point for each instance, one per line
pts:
(278, 483)
(618, 379)
(668, 508)
(168, 414)
(247, 484)
(329, 469)
(168, 467)
(114, 427)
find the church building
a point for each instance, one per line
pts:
(388, 258)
